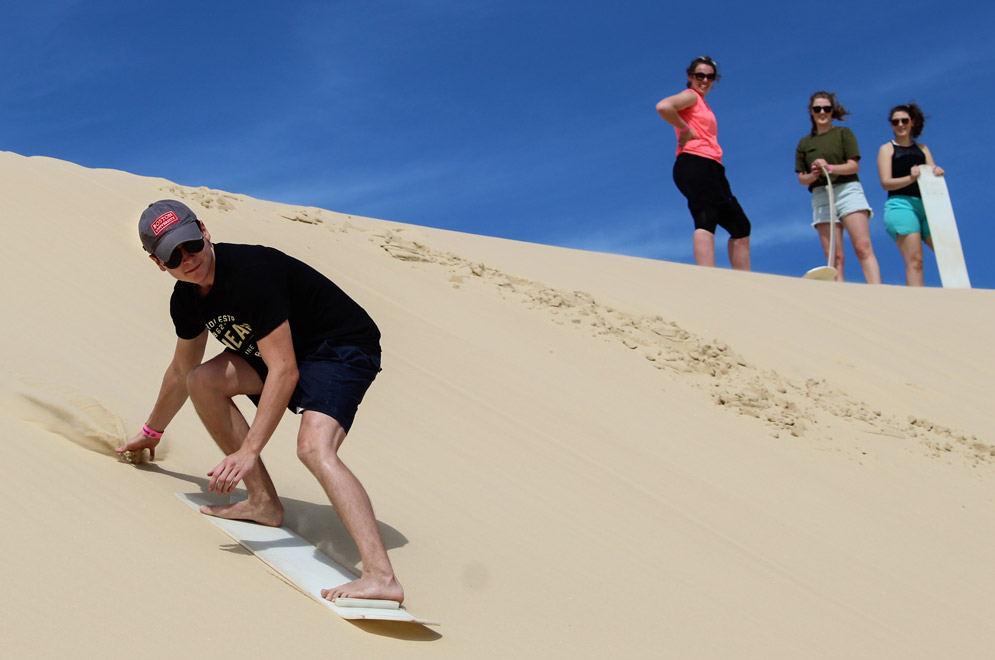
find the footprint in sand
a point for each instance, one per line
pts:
(309, 215)
(735, 384)
(205, 197)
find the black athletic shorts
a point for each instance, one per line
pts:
(332, 380)
(703, 182)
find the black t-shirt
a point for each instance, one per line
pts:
(256, 289)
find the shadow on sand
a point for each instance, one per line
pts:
(319, 524)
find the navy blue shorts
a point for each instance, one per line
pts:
(333, 381)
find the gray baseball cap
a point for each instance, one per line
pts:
(164, 225)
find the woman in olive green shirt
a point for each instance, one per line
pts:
(835, 149)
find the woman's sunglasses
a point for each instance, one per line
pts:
(822, 108)
(191, 247)
(698, 75)
(900, 120)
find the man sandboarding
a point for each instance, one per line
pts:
(292, 339)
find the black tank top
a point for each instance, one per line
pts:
(901, 165)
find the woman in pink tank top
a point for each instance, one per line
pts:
(698, 170)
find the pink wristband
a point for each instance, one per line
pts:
(146, 431)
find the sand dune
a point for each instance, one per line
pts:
(570, 454)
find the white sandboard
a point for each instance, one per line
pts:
(943, 227)
(304, 566)
(824, 273)
(828, 272)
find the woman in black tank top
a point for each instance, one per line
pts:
(899, 163)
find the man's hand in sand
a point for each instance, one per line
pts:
(138, 443)
(230, 471)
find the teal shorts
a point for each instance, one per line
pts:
(904, 215)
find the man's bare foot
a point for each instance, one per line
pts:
(368, 586)
(265, 512)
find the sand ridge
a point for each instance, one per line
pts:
(784, 405)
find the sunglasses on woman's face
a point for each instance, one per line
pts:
(900, 120)
(822, 108)
(698, 75)
(191, 247)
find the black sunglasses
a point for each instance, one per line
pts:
(175, 259)
(822, 108)
(698, 75)
(900, 120)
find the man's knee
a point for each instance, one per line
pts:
(223, 376)
(307, 449)
(199, 380)
(319, 439)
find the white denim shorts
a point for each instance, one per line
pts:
(849, 199)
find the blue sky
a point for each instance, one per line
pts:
(533, 120)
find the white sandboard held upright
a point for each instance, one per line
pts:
(943, 227)
(304, 566)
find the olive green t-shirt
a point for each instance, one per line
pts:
(836, 146)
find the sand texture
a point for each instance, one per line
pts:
(570, 454)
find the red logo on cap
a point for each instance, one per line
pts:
(164, 222)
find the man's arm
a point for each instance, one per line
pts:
(277, 351)
(172, 393)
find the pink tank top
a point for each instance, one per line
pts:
(701, 119)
